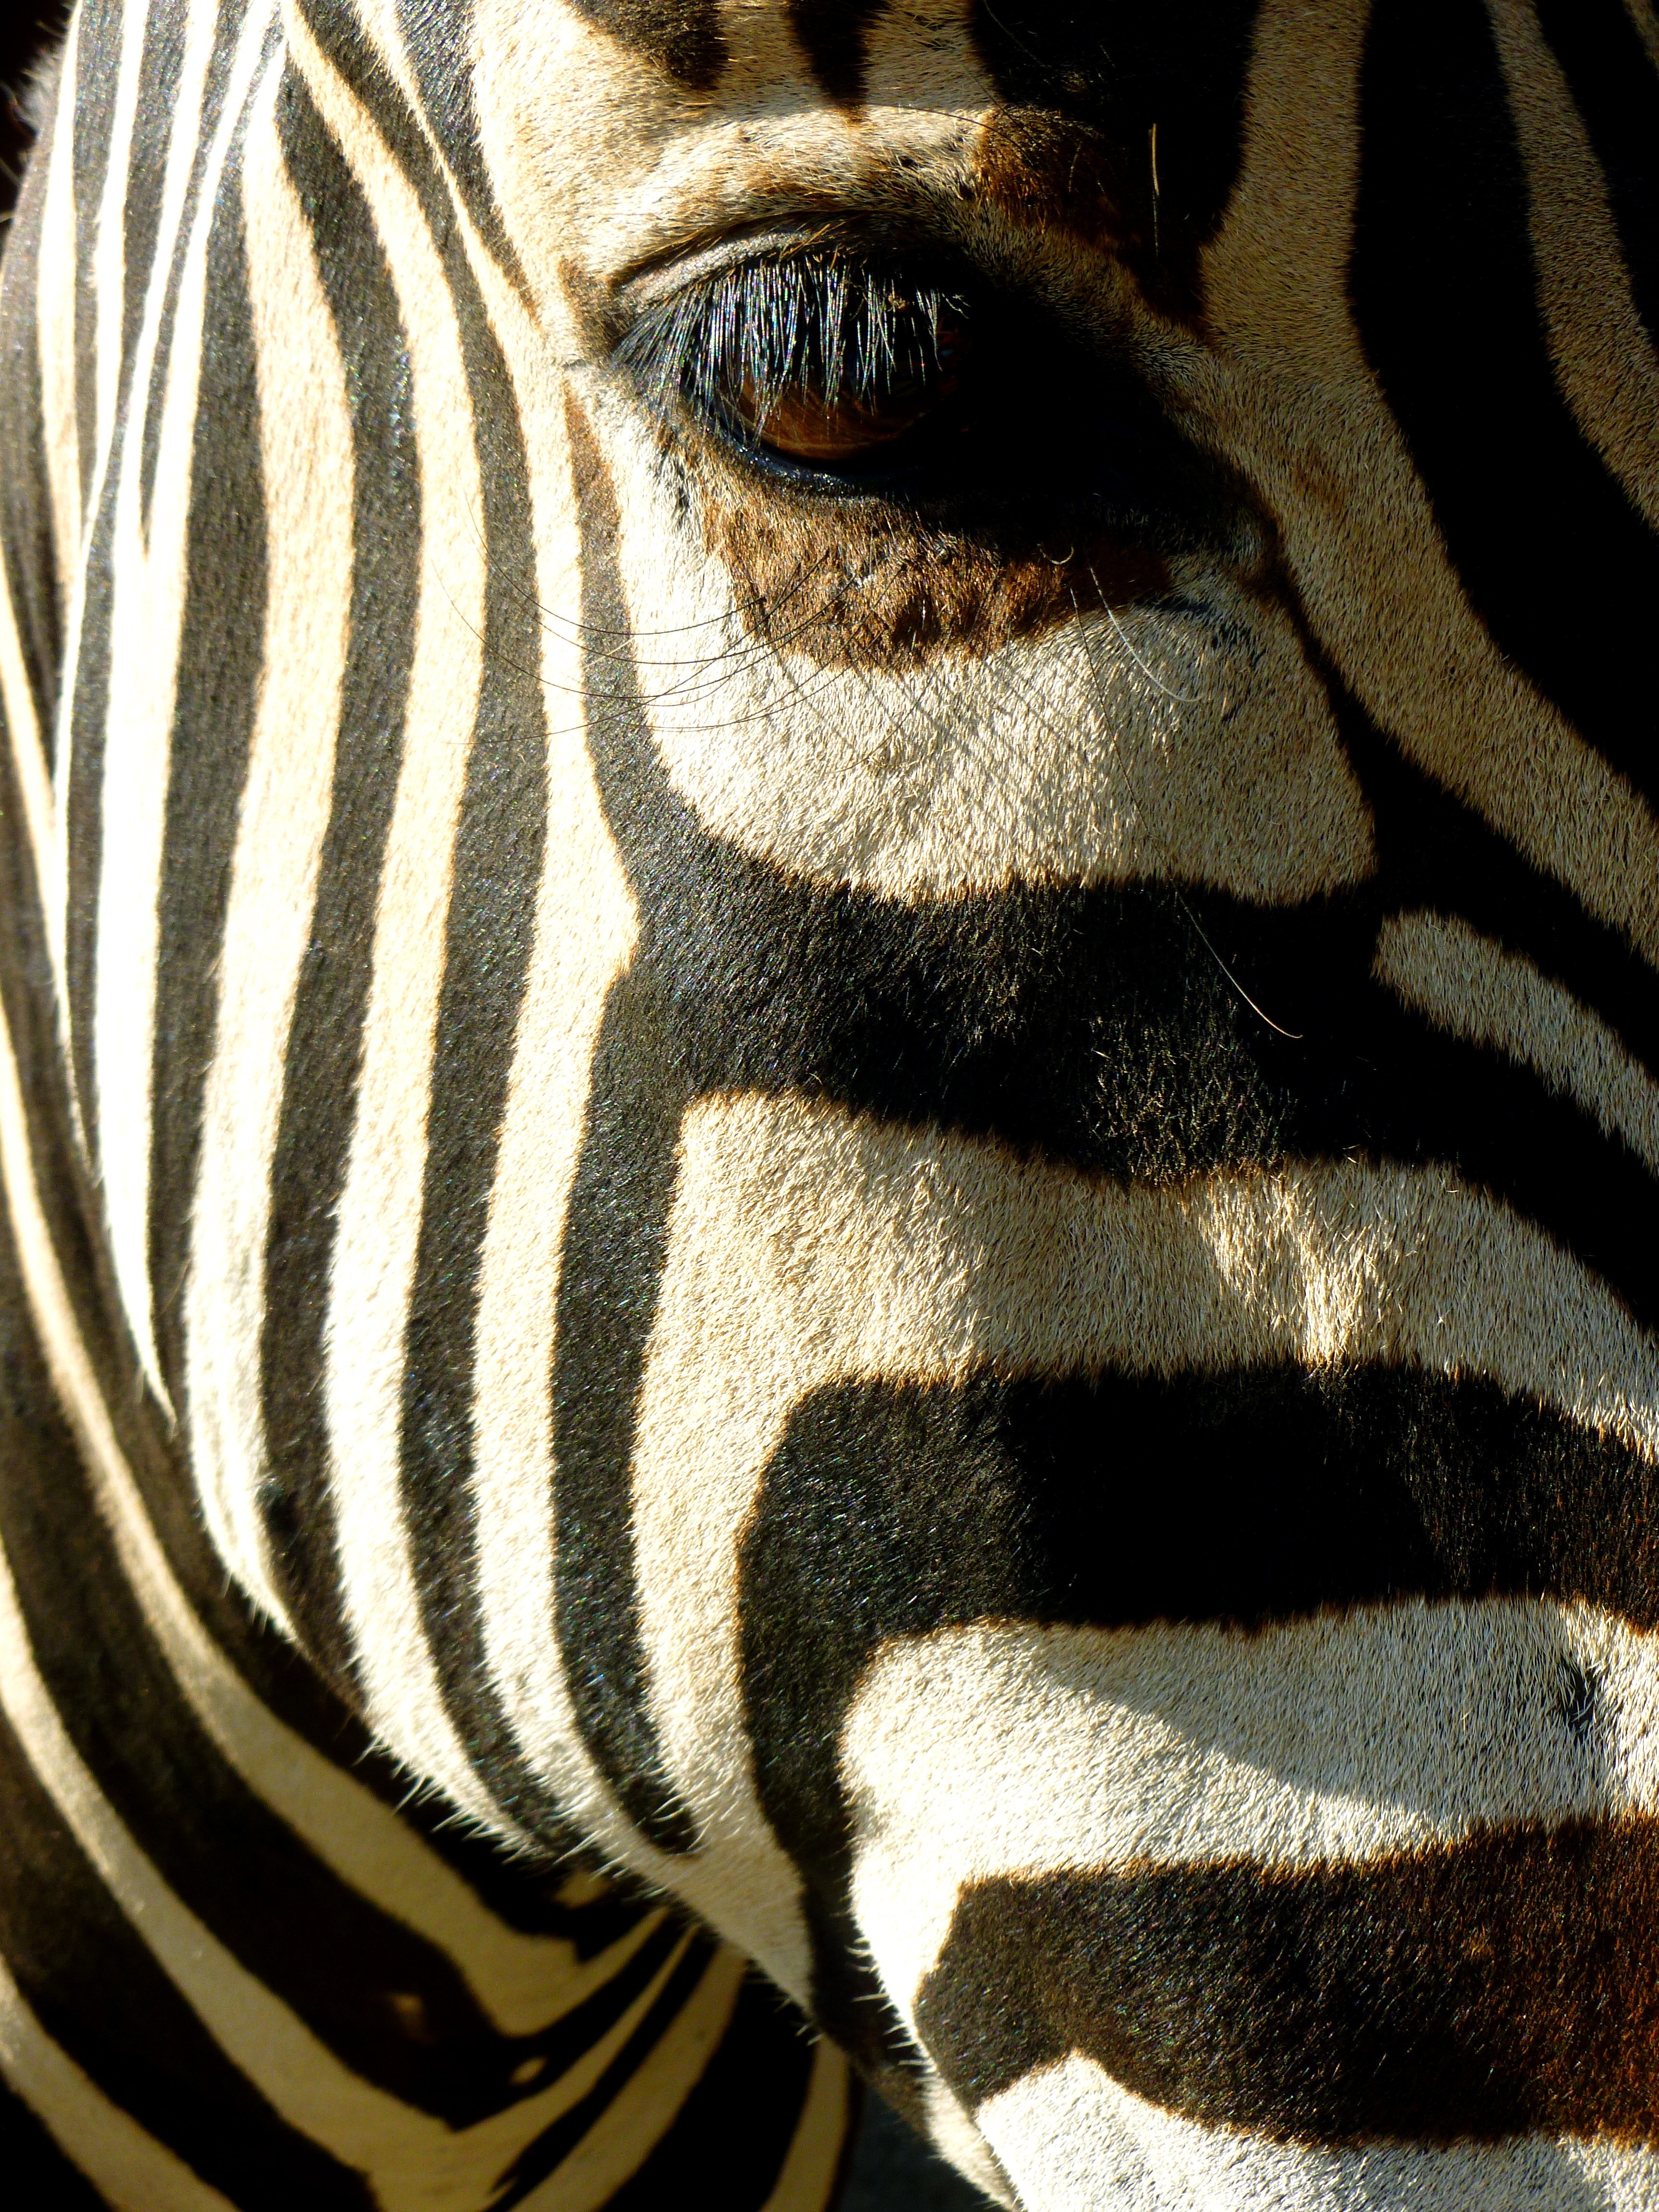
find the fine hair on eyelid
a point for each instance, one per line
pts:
(817, 319)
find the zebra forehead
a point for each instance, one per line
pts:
(1116, 64)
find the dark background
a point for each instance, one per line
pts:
(25, 28)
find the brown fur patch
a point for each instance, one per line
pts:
(1502, 1985)
(851, 593)
(1045, 171)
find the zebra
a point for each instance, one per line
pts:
(829, 1110)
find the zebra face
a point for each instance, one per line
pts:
(1140, 1449)
(923, 1185)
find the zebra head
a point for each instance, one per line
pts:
(860, 950)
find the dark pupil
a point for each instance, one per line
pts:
(824, 363)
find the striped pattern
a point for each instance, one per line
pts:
(247, 1958)
(937, 1222)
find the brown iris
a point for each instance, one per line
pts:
(814, 419)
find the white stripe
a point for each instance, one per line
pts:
(584, 932)
(1480, 991)
(28, 754)
(109, 252)
(808, 1244)
(1021, 1751)
(56, 287)
(379, 1211)
(122, 2161)
(308, 493)
(523, 1982)
(646, 2107)
(806, 2179)
(1074, 2139)
(807, 1247)
(1054, 758)
(148, 572)
(1284, 388)
(1602, 354)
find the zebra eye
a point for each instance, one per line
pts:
(814, 360)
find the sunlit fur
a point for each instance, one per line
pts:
(943, 1231)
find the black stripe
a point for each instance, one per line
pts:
(324, 1045)
(1495, 1988)
(437, 1378)
(1104, 1028)
(28, 525)
(97, 41)
(610, 1273)
(439, 36)
(558, 2141)
(158, 64)
(611, 1260)
(490, 937)
(97, 1991)
(740, 2120)
(834, 36)
(1615, 88)
(1121, 68)
(159, 61)
(35, 2167)
(1242, 1498)
(226, 34)
(682, 37)
(1555, 560)
(221, 662)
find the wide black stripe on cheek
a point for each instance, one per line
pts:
(325, 1048)
(1505, 1985)
(1241, 1498)
(1143, 1030)
(1555, 560)
(1138, 1031)
(1615, 88)
(220, 663)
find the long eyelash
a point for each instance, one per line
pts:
(815, 319)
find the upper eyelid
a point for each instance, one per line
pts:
(658, 281)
